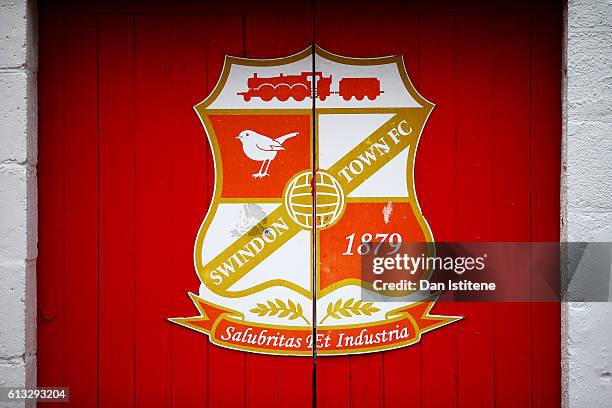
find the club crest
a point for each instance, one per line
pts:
(313, 169)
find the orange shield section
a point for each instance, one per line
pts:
(241, 157)
(388, 222)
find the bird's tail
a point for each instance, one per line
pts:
(282, 139)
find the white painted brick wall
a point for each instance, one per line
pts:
(588, 196)
(18, 229)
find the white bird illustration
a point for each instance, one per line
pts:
(262, 148)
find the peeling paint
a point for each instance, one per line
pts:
(387, 211)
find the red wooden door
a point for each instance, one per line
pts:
(123, 162)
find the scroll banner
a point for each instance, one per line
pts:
(227, 328)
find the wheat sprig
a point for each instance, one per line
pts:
(349, 308)
(277, 307)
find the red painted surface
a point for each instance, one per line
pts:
(125, 177)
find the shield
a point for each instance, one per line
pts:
(313, 169)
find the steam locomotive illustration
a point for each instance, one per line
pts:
(299, 87)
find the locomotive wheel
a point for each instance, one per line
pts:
(359, 97)
(299, 92)
(246, 98)
(372, 97)
(266, 92)
(346, 97)
(282, 92)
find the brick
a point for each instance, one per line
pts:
(590, 15)
(12, 304)
(588, 226)
(589, 76)
(13, 190)
(13, 31)
(12, 373)
(589, 354)
(589, 165)
(13, 116)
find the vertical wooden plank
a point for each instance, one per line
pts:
(401, 367)
(226, 368)
(188, 201)
(278, 380)
(545, 210)
(333, 382)
(436, 171)
(153, 211)
(261, 371)
(475, 216)
(295, 381)
(259, 28)
(333, 374)
(353, 30)
(437, 186)
(366, 380)
(51, 202)
(511, 115)
(366, 371)
(400, 36)
(298, 22)
(116, 121)
(261, 380)
(80, 284)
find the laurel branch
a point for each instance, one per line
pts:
(278, 308)
(349, 308)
